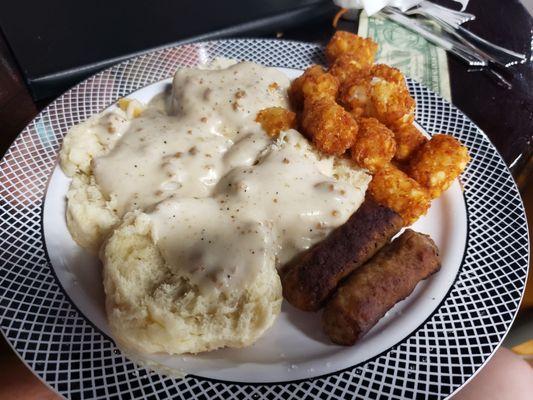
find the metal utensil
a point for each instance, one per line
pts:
(470, 57)
(451, 20)
(453, 17)
(473, 57)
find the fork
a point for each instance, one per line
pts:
(453, 17)
(473, 57)
(451, 20)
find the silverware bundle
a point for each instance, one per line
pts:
(446, 32)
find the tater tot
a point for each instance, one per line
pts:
(408, 140)
(383, 95)
(344, 42)
(313, 83)
(348, 67)
(392, 103)
(329, 126)
(375, 145)
(354, 95)
(388, 73)
(393, 188)
(276, 119)
(437, 163)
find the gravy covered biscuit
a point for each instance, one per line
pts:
(159, 303)
(196, 274)
(196, 200)
(124, 160)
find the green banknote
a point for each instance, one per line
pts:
(409, 52)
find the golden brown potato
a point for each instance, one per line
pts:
(329, 126)
(436, 164)
(394, 189)
(388, 73)
(408, 140)
(276, 119)
(391, 103)
(375, 145)
(314, 83)
(348, 67)
(383, 95)
(354, 95)
(344, 42)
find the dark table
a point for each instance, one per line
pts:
(506, 116)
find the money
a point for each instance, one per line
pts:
(409, 52)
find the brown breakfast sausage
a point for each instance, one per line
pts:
(377, 286)
(312, 277)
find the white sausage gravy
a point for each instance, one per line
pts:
(224, 199)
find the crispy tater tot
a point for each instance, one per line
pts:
(313, 83)
(354, 95)
(388, 73)
(344, 42)
(348, 67)
(408, 140)
(436, 164)
(375, 145)
(383, 95)
(393, 188)
(392, 103)
(329, 126)
(276, 119)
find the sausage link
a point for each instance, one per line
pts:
(313, 276)
(367, 294)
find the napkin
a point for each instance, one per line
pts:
(373, 6)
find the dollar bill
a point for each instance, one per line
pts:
(409, 52)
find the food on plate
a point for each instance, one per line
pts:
(437, 163)
(408, 139)
(206, 204)
(346, 68)
(131, 107)
(355, 97)
(390, 101)
(196, 274)
(312, 277)
(361, 49)
(408, 171)
(90, 215)
(161, 304)
(194, 200)
(179, 144)
(329, 127)
(389, 74)
(396, 190)
(381, 94)
(373, 289)
(315, 83)
(375, 145)
(276, 119)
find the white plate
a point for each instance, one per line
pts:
(295, 347)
